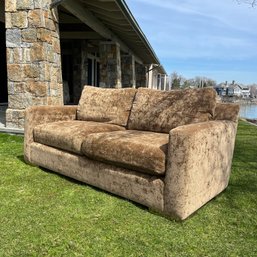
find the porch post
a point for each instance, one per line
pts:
(140, 75)
(80, 68)
(128, 72)
(110, 65)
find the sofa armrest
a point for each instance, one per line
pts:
(36, 115)
(198, 165)
(226, 111)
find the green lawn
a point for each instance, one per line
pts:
(44, 214)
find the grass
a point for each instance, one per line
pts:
(44, 214)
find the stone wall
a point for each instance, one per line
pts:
(110, 65)
(33, 57)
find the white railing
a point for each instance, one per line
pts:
(160, 82)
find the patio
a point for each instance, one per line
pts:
(3, 128)
(2, 115)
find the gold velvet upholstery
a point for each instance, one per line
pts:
(36, 115)
(106, 105)
(161, 111)
(198, 165)
(226, 111)
(137, 150)
(69, 135)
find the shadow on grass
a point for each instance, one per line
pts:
(77, 182)
(21, 158)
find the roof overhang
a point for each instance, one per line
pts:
(113, 20)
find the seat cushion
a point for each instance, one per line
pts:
(137, 150)
(106, 105)
(69, 135)
(161, 111)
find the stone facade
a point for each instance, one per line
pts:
(34, 60)
(128, 71)
(110, 65)
(33, 57)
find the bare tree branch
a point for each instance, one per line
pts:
(253, 3)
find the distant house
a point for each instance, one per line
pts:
(237, 90)
(233, 89)
(221, 89)
(245, 92)
(241, 90)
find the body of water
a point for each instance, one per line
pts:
(248, 111)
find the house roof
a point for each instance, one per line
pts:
(117, 18)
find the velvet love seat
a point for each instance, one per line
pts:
(168, 150)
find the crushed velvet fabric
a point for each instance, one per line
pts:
(198, 166)
(36, 115)
(138, 187)
(198, 156)
(161, 111)
(226, 111)
(69, 135)
(106, 105)
(138, 150)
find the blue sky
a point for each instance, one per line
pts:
(215, 39)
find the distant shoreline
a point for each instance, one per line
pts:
(251, 121)
(238, 100)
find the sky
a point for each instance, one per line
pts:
(214, 39)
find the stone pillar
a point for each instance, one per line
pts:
(128, 73)
(140, 75)
(80, 68)
(33, 57)
(110, 65)
(2, 18)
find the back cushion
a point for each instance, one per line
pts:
(161, 111)
(107, 105)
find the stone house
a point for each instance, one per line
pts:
(51, 48)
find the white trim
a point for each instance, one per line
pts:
(94, 71)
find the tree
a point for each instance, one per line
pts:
(201, 82)
(187, 83)
(175, 80)
(253, 91)
(253, 3)
(178, 81)
(210, 83)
